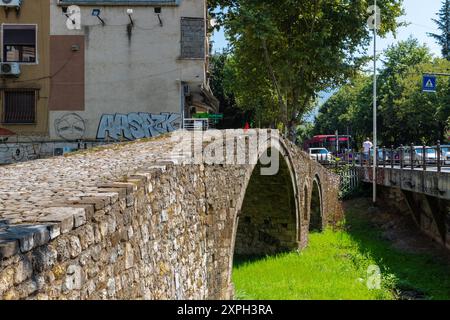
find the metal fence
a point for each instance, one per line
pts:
(349, 179)
(412, 157)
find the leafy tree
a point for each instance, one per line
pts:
(304, 132)
(257, 100)
(443, 23)
(348, 110)
(406, 114)
(400, 61)
(220, 75)
(423, 116)
(285, 51)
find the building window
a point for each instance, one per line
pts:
(19, 43)
(193, 38)
(19, 106)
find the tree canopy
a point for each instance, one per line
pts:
(406, 114)
(286, 51)
(443, 23)
(220, 76)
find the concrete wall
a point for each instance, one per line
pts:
(104, 83)
(431, 214)
(130, 71)
(432, 183)
(425, 195)
(128, 222)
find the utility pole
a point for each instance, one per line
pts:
(337, 142)
(348, 140)
(374, 177)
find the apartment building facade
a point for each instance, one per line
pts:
(102, 70)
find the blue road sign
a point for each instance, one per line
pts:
(429, 83)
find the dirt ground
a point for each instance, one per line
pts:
(399, 229)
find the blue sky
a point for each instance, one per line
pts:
(418, 13)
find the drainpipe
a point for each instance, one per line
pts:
(182, 103)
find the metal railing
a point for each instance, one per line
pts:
(196, 124)
(412, 157)
(349, 180)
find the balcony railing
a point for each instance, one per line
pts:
(191, 124)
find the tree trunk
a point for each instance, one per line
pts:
(282, 105)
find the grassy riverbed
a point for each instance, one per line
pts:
(335, 266)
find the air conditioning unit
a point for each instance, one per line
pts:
(9, 68)
(186, 90)
(10, 3)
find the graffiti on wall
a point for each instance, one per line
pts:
(5, 134)
(20, 148)
(26, 148)
(70, 127)
(134, 126)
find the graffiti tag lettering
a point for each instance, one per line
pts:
(136, 125)
(73, 15)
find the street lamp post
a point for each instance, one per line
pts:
(374, 173)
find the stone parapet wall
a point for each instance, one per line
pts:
(130, 240)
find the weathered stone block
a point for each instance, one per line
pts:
(98, 202)
(63, 215)
(129, 256)
(73, 280)
(111, 287)
(119, 193)
(54, 230)
(24, 270)
(8, 248)
(6, 279)
(29, 236)
(27, 288)
(44, 258)
(74, 246)
(79, 218)
(129, 187)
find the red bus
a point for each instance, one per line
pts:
(332, 143)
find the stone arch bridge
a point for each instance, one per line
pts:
(144, 220)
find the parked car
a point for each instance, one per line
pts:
(381, 158)
(320, 154)
(390, 156)
(445, 154)
(418, 157)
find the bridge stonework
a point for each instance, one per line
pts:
(128, 222)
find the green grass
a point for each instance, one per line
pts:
(334, 266)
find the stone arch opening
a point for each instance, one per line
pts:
(267, 222)
(316, 221)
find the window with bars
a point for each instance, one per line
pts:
(19, 106)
